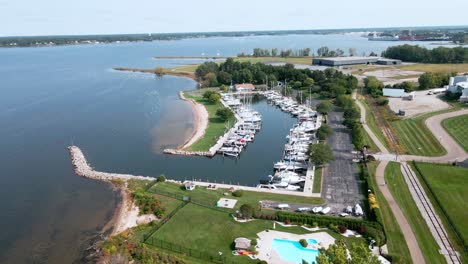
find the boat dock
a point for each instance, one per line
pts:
(254, 189)
(309, 180)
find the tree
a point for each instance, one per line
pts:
(207, 94)
(323, 51)
(320, 153)
(352, 52)
(161, 178)
(324, 107)
(309, 82)
(210, 80)
(224, 77)
(159, 71)
(336, 254)
(274, 52)
(224, 113)
(360, 254)
(373, 86)
(247, 210)
(408, 86)
(214, 98)
(303, 243)
(324, 132)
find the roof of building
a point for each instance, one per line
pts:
(385, 59)
(245, 86)
(394, 92)
(349, 58)
(242, 243)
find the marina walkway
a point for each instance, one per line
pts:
(255, 189)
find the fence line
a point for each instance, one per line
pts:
(188, 251)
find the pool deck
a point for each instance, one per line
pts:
(265, 251)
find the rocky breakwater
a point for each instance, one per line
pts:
(83, 169)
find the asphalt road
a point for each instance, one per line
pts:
(341, 180)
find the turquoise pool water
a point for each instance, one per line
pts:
(293, 251)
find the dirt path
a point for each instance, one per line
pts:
(415, 251)
(371, 134)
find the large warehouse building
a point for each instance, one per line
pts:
(344, 61)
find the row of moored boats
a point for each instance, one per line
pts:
(250, 124)
(289, 172)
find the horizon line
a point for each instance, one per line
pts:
(240, 31)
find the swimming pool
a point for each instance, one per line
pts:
(293, 250)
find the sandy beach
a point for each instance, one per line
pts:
(200, 121)
(127, 214)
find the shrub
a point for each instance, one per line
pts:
(224, 113)
(314, 224)
(253, 242)
(237, 193)
(303, 243)
(214, 98)
(342, 229)
(382, 101)
(247, 210)
(161, 178)
(287, 222)
(361, 229)
(333, 228)
(207, 94)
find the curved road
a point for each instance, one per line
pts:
(454, 152)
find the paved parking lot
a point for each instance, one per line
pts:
(340, 185)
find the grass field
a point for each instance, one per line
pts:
(416, 137)
(457, 127)
(400, 191)
(317, 186)
(448, 195)
(395, 240)
(212, 196)
(216, 127)
(463, 67)
(212, 231)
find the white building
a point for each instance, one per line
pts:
(459, 84)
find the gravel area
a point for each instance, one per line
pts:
(422, 103)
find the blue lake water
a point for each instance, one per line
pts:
(52, 97)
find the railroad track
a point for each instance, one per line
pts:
(425, 206)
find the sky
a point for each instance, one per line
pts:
(79, 17)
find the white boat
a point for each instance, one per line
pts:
(293, 188)
(266, 186)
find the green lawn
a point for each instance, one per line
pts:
(212, 196)
(400, 191)
(206, 230)
(448, 196)
(458, 129)
(216, 127)
(317, 186)
(417, 138)
(395, 240)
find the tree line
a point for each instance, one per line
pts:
(421, 54)
(329, 83)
